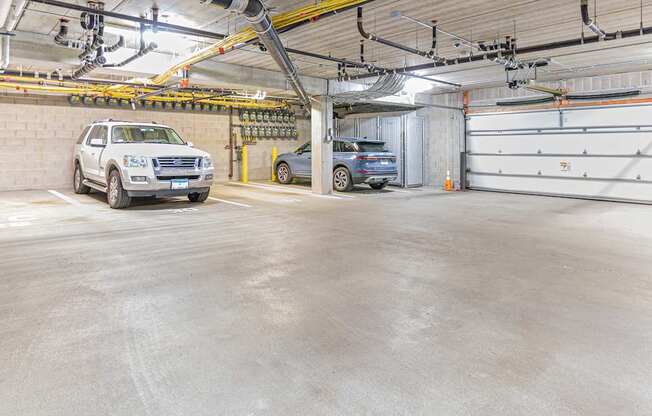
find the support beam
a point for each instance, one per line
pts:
(322, 146)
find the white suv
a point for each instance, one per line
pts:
(126, 160)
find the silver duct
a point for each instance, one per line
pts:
(256, 14)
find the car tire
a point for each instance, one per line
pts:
(378, 186)
(78, 181)
(199, 197)
(283, 174)
(116, 195)
(342, 181)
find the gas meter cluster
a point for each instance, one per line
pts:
(268, 124)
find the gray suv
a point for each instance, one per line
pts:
(355, 161)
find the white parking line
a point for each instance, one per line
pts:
(65, 198)
(238, 204)
(293, 190)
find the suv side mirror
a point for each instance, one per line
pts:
(190, 144)
(96, 143)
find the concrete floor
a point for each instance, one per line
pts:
(398, 302)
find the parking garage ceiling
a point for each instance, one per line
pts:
(529, 21)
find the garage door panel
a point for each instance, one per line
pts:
(609, 116)
(622, 143)
(597, 153)
(625, 191)
(536, 120)
(577, 167)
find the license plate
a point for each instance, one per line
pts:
(179, 183)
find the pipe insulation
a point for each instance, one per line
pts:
(256, 14)
(592, 25)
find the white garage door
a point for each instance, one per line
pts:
(597, 153)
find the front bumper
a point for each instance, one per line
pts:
(141, 182)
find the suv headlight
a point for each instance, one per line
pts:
(134, 161)
(206, 163)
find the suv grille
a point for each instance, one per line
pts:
(177, 162)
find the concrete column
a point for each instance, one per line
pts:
(321, 120)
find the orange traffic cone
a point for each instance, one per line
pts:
(448, 185)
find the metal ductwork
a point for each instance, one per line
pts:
(376, 38)
(256, 14)
(592, 25)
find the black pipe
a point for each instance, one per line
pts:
(368, 66)
(375, 38)
(139, 54)
(159, 25)
(119, 44)
(520, 51)
(88, 67)
(586, 19)
(541, 100)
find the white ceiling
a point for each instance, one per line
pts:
(531, 21)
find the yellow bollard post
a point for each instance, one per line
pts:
(274, 156)
(245, 165)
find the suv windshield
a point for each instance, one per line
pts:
(371, 147)
(145, 134)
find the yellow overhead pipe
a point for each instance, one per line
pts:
(95, 90)
(229, 43)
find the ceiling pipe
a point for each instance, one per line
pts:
(540, 48)
(592, 25)
(256, 14)
(142, 52)
(167, 27)
(365, 65)
(61, 38)
(376, 38)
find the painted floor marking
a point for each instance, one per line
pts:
(291, 190)
(65, 198)
(238, 204)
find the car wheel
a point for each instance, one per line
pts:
(283, 173)
(78, 181)
(117, 196)
(342, 181)
(199, 197)
(378, 186)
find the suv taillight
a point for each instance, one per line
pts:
(362, 157)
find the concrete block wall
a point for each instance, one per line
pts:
(37, 137)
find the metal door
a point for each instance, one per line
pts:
(414, 151)
(346, 127)
(391, 130)
(368, 128)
